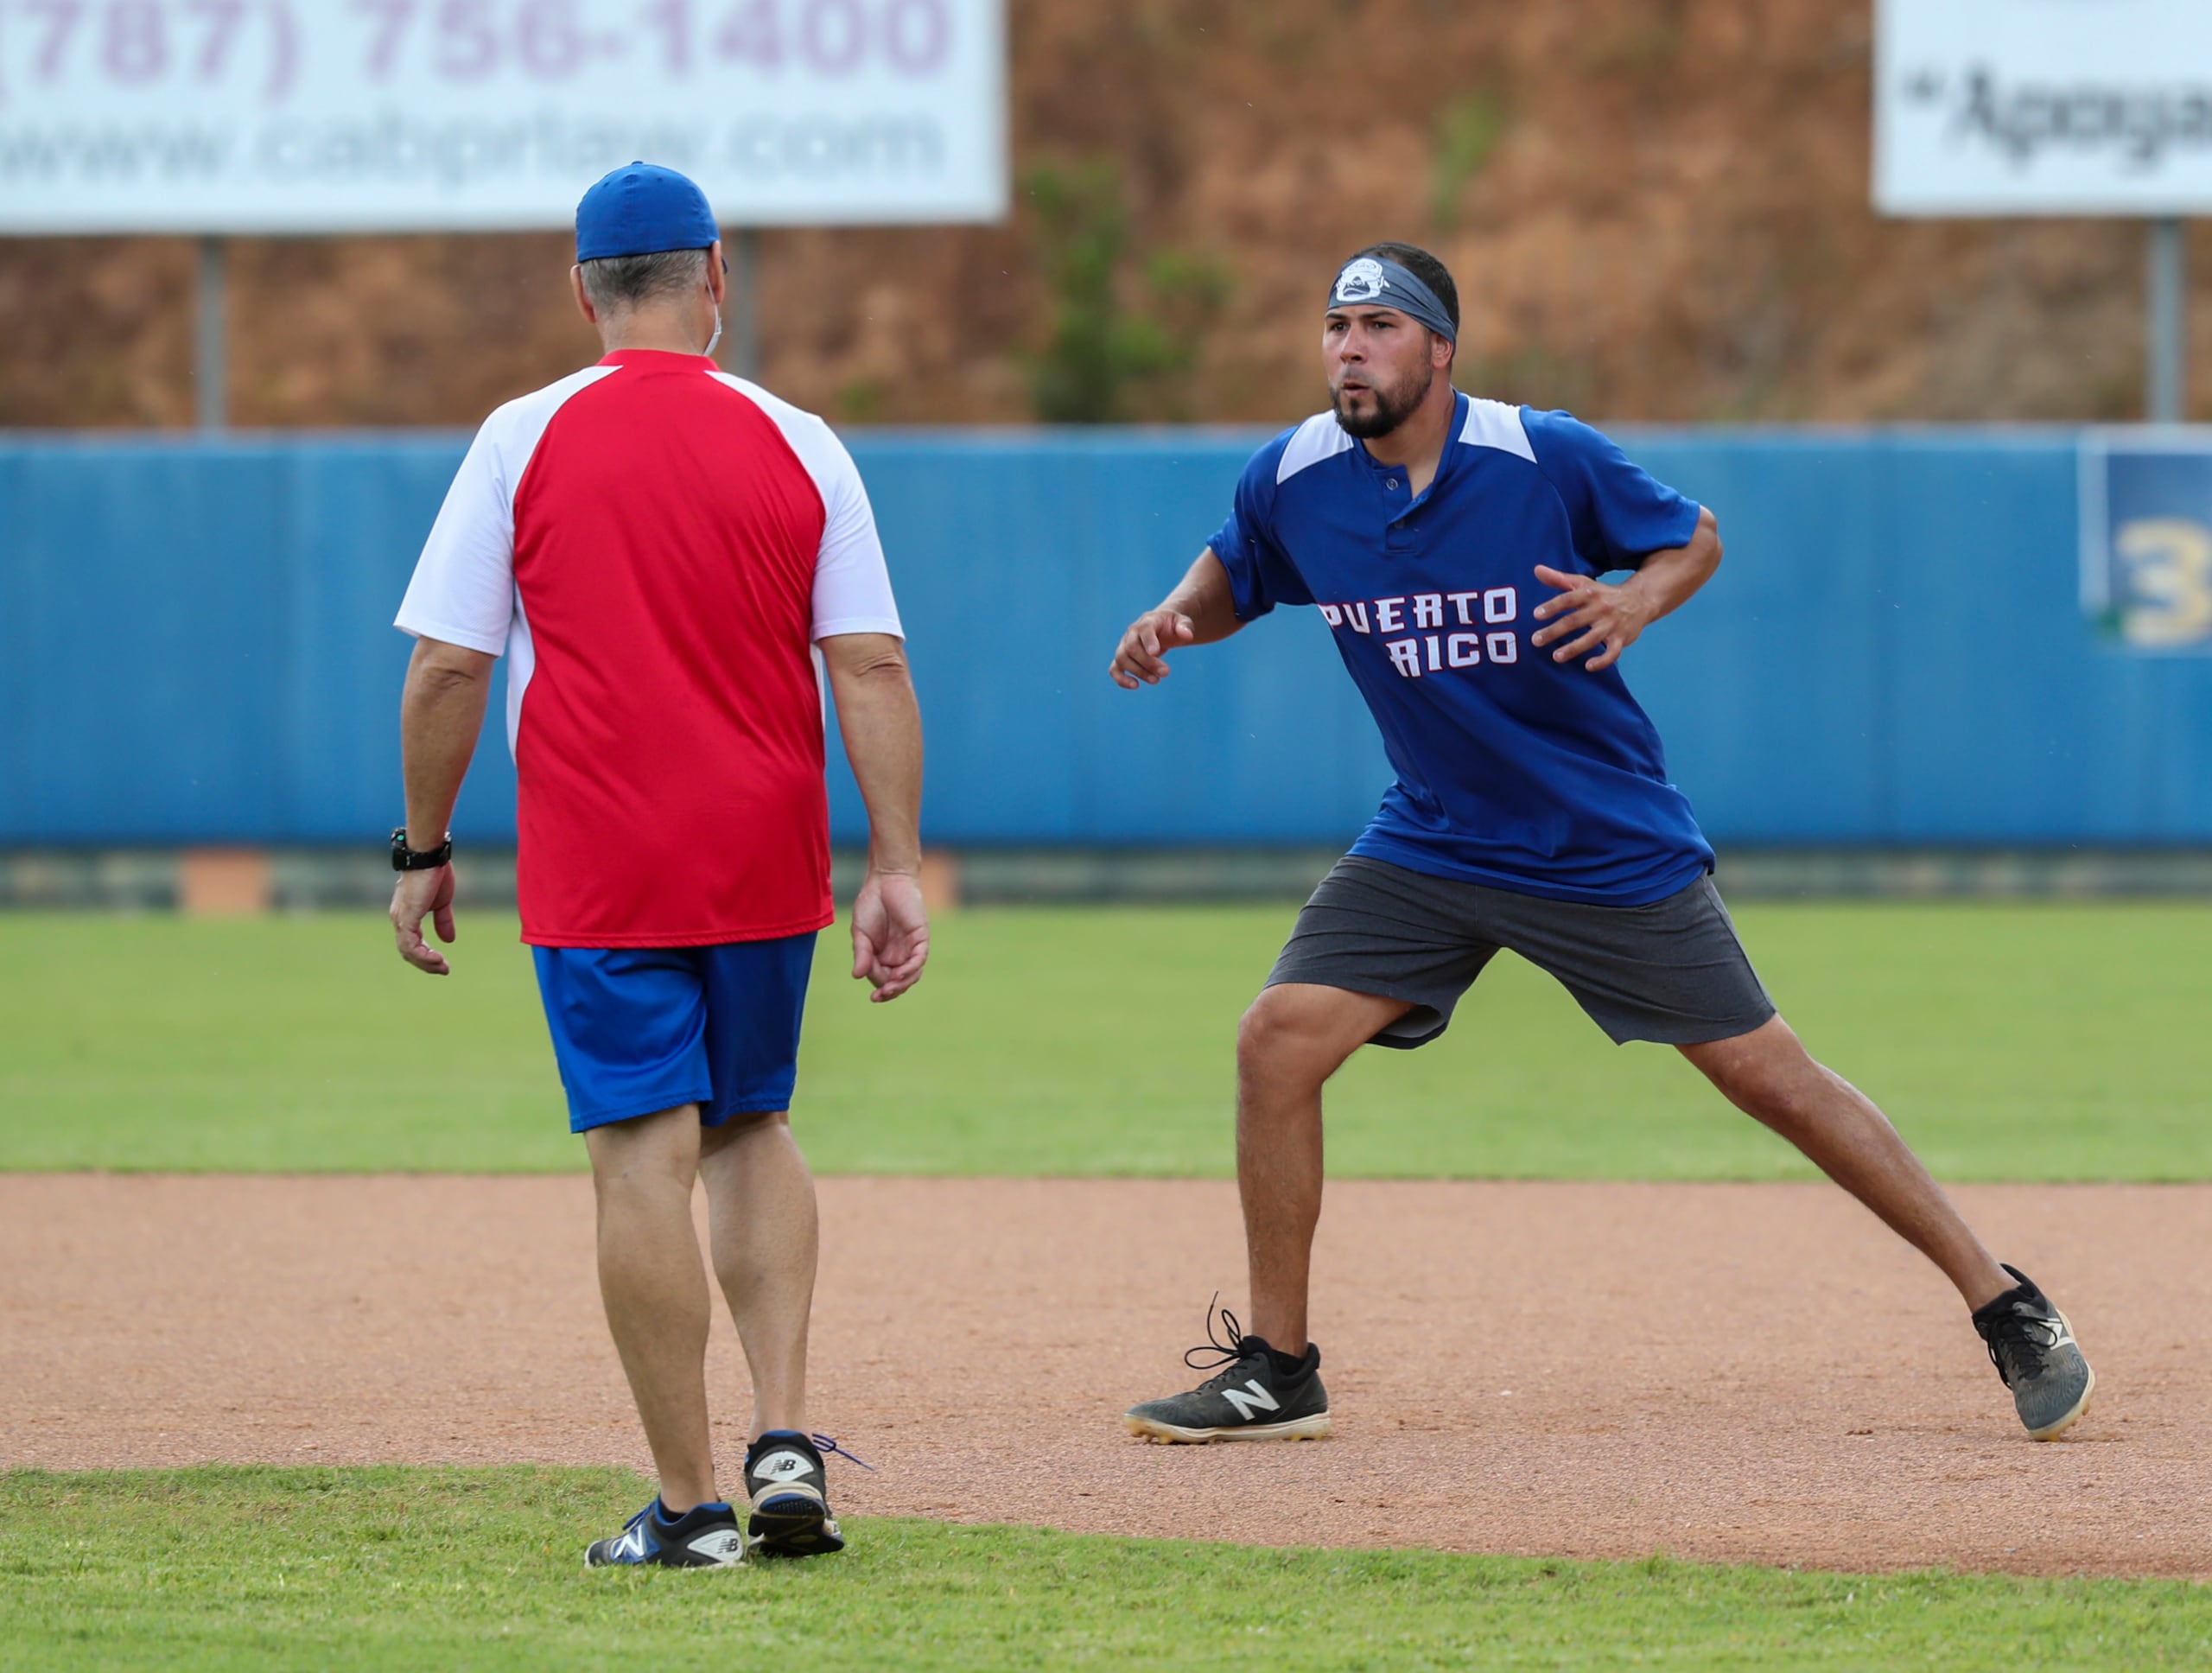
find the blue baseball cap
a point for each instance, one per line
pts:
(641, 211)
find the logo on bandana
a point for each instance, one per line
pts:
(1362, 281)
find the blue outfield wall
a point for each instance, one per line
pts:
(194, 645)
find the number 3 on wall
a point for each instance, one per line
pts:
(2166, 570)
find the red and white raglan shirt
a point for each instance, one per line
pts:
(656, 545)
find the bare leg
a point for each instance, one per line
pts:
(1294, 1037)
(1768, 1074)
(760, 1209)
(655, 1288)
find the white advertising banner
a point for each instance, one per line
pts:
(330, 115)
(2042, 107)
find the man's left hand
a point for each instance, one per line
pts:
(1605, 615)
(891, 933)
(417, 895)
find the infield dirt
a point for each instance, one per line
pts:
(1731, 1372)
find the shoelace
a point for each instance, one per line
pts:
(2018, 1339)
(631, 1527)
(1224, 1354)
(825, 1445)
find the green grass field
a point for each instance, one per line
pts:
(478, 1568)
(2045, 1041)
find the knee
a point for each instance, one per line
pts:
(741, 1128)
(1766, 1072)
(1274, 1045)
(653, 1153)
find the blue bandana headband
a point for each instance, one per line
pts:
(1370, 282)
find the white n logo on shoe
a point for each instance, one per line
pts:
(1246, 1404)
(781, 1467)
(723, 1545)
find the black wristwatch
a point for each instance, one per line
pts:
(404, 858)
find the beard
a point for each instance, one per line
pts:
(1393, 406)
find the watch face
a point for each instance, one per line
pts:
(406, 859)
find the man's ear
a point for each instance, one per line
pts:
(583, 296)
(717, 272)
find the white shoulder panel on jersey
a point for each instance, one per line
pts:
(463, 588)
(1495, 424)
(812, 439)
(852, 584)
(1319, 438)
(463, 591)
(520, 424)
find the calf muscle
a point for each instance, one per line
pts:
(1293, 1038)
(654, 1286)
(761, 1212)
(1769, 1075)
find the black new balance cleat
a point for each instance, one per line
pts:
(784, 1478)
(2033, 1348)
(704, 1536)
(1257, 1395)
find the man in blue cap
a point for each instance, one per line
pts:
(1456, 549)
(659, 549)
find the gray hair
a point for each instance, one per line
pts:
(619, 281)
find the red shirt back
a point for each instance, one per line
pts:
(657, 545)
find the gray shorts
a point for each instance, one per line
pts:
(1672, 971)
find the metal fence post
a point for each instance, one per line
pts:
(211, 338)
(2166, 380)
(744, 325)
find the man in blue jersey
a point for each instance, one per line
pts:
(1454, 547)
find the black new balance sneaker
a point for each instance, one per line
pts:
(1257, 1395)
(2033, 1348)
(704, 1536)
(784, 1478)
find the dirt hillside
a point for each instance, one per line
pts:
(1656, 209)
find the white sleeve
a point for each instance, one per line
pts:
(852, 585)
(463, 592)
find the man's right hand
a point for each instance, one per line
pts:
(1142, 658)
(417, 895)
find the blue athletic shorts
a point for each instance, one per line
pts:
(637, 1030)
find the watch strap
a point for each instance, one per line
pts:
(404, 858)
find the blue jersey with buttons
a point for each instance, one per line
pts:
(1513, 770)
